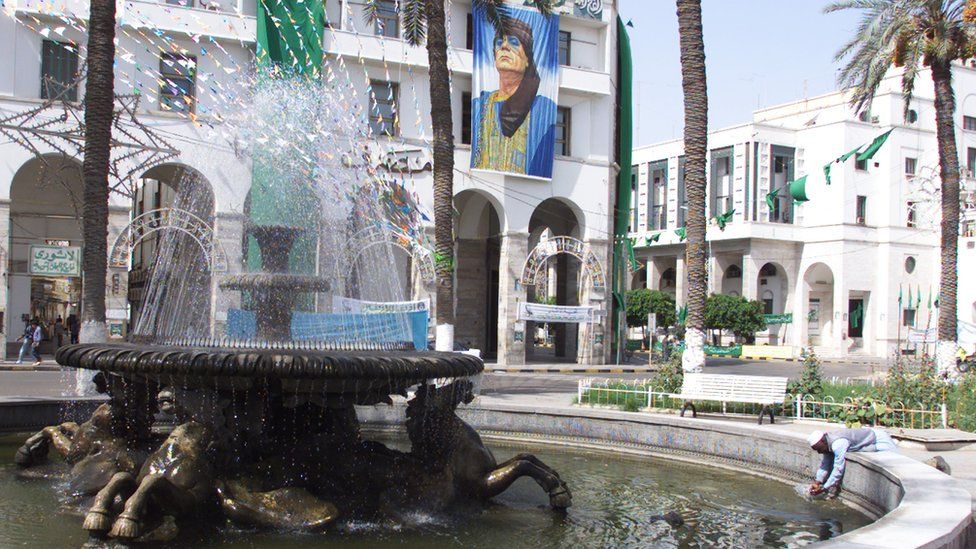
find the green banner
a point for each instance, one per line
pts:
(779, 319)
(733, 351)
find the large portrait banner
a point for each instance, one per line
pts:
(515, 87)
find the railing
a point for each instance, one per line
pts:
(636, 395)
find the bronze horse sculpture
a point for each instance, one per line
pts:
(448, 461)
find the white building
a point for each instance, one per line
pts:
(837, 262)
(501, 218)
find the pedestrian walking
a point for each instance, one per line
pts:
(27, 337)
(74, 327)
(36, 337)
(59, 332)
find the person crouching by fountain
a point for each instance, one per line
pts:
(835, 445)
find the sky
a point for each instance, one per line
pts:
(758, 53)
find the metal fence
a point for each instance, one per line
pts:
(642, 395)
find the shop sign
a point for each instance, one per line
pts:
(733, 351)
(779, 319)
(537, 312)
(55, 260)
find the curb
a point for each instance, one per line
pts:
(42, 368)
(823, 360)
(570, 370)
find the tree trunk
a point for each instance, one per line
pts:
(442, 123)
(693, 85)
(99, 103)
(949, 174)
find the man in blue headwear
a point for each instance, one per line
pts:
(513, 127)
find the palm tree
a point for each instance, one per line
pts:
(695, 90)
(425, 19)
(913, 34)
(99, 105)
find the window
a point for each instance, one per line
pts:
(669, 279)
(59, 66)
(911, 164)
(969, 123)
(657, 197)
(734, 271)
(768, 302)
(178, 73)
(861, 210)
(768, 270)
(720, 191)
(465, 118)
(633, 199)
(682, 193)
(782, 175)
(469, 32)
(184, 3)
(970, 162)
(910, 264)
(908, 317)
(861, 165)
(565, 39)
(383, 115)
(563, 127)
(911, 215)
(912, 116)
(387, 22)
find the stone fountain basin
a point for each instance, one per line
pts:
(361, 373)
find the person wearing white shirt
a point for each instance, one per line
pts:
(836, 444)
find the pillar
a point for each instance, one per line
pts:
(681, 282)
(7, 328)
(511, 332)
(593, 347)
(229, 233)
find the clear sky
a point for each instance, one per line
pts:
(758, 53)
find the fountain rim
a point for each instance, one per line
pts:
(256, 362)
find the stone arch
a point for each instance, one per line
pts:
(732, 280)
(373, 236)
(163, 219)
(773, 290)
(559, 245)
(46, 207)
(818, 290)
(479, 226)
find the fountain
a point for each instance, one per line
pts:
(266, 432)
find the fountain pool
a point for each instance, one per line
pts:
(617, 502)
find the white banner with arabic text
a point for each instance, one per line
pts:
(537, 312)
(349, 305)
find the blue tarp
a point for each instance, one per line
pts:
(374, 327)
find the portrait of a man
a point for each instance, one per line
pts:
(514, 111)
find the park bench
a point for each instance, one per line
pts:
(764, 390)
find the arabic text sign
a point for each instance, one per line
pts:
(55, 260)
(922, 336)
(537, 312)
(779, 319)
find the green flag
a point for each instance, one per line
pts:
(929, 306)
(630, 254)
(937, 296)
(770, 197)
(909, 296)
(843, 158)
(899, 296)
(724, 219)
(682, 314)
(798, 189)
(869, 152)
(682, 234)
(653, 238)
(827, 172)
(918, 297)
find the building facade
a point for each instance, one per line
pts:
(838, 262)
(183, 57)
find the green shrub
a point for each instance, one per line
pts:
(811, 380)
(670, 376)
(631, 404)
(965, 406)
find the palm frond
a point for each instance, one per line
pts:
(495, 12)
(413, 13)
(370, 11)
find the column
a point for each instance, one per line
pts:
(653, 274)
(229, 234)
(116, 280)
(593, 338)
(511, 332)
(750, 278)
(841, 339)
(5, 326)
(681, 282)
